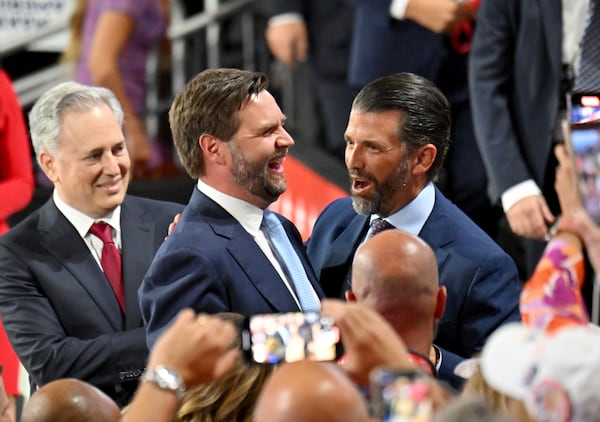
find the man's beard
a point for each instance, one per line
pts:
(383, 192)
(253, 176)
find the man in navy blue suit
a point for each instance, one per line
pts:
(396, 140)
(420, 36)
(228, 131)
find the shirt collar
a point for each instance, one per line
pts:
(83, 222)
(412, 217)
(248, 215)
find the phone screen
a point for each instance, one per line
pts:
(585, 146)
(400, 396)
(288, 337)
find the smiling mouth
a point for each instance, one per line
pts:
(276, 164)
(111, 186)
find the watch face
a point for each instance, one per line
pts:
(169, 378)
(165, 378)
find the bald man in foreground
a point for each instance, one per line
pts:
(405, 290)
(70, 399)
(306, 391)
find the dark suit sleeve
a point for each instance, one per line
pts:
(446, 370)
(271, 8)
(491, 299)
(491, 79)
(179, 278)
(37, 334)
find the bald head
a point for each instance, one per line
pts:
(70, 400)
(307, 391)
(396, 273)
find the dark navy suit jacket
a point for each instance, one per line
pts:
(482, 281)
(59, 310)
(211, 264)
(382, 45)
(515, 75)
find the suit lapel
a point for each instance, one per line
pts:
(437, 230)
(333, 274)
(64, 243)
(341, 251)
(245, 252)
(259, 270)
(137, 238)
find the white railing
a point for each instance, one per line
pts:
(207, 24)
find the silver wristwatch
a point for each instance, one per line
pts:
(165, 379)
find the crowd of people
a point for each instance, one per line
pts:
(127, 308)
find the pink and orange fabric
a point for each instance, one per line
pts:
(551, 298)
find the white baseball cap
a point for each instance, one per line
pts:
(557, 376)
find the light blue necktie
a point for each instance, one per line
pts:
(290, 262)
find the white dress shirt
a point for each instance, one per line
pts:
(83, 222)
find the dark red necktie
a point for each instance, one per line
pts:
(377, 226)
(110, 260)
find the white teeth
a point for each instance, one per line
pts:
(109, 185)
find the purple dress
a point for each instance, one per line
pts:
(149, 28)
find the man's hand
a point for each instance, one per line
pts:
(173, 224)
(288, 41)
(369, 340)
(438, 15)
(565, 182)
(530, 217)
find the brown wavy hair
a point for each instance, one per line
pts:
(229, 399)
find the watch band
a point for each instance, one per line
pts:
(165, 378)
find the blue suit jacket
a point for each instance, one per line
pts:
(482, 281)
(211, 264)
(382, 45)
(59, 310)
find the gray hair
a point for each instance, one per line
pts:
(46, 116)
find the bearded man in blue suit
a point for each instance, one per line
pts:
(396, 139)
(228, 130)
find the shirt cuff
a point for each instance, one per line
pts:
(439, 358)
(398, 9)
(519, 191)
(285, 18)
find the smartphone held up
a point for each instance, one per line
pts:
(289, 337)
(401, 396)
(584, 143)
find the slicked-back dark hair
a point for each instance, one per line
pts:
(425, 111)
(209, 104)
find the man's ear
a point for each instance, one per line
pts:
(423, 158)
(48, 164)
(350, 296)
(440, 305)
(212, 148)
